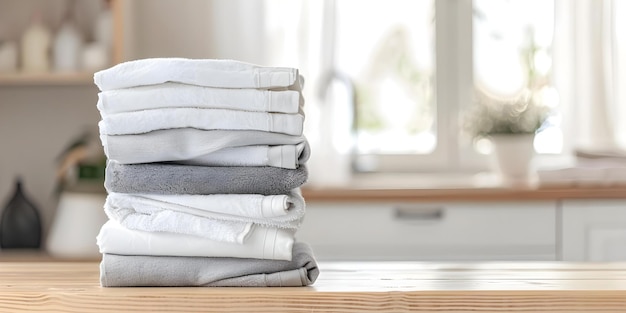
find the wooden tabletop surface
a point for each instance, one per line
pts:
(341, 287)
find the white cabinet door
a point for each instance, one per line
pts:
(431, 231)
(593, 230)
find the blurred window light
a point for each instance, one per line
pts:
(512, 53)
(387, 48)
(383, 72)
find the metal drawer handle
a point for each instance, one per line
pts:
(419, 213)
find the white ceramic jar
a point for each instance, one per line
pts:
(78, 219)
(35, 47)
(67, 48)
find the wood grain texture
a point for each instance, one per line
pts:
(39, 255)
(342, 287)
(117, 8)
(49, 78)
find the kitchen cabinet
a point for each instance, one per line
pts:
(567, 223)
(431, 231)
(593, 230)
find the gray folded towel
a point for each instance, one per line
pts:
(175, 271)
(162, 178)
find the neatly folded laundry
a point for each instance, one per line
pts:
(217, 217)
(189, 143)
(163, 178)
(173, 271)
(261, 243)
(139, 122)
(143, 217)
(174, 95)
(201, 72)
(285, 156)
(285, 207)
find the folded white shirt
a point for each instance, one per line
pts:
(194, 144)
(201, 72)
(140, 122)
(262, 243)
(284, 156)
(172, 95)
(213, 216)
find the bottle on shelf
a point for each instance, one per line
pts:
(103, 30)
(97, 55)
(35, 46)
(67, 45)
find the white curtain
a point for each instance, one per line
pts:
(291, 33)
(587, 72)
(618, 9)
(300, 34)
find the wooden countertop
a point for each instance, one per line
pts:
(402, 187)
(341, 287)
(409, 194)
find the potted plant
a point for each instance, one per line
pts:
(511, 125)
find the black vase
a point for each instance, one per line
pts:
(20, 226)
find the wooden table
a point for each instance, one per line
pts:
(341, 287)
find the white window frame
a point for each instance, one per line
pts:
(453, 93)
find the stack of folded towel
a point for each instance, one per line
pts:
(205, 161)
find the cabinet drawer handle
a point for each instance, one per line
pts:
(419, 214)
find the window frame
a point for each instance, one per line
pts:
(453, 93)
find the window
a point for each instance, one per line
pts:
(382, 81)
(387, 50)
(394, 77)
(512, 43)
(413, 67)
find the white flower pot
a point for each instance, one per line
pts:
(514, 158)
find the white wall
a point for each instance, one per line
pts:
(194, 29)
(161, 28)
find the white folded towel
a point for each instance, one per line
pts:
(285, 156)
(201, 72)
(262, 243)
(190, 143)
(196, 214)
(150, 219)
(140, 122)
(171, 95)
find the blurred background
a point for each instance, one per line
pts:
(389, 85)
